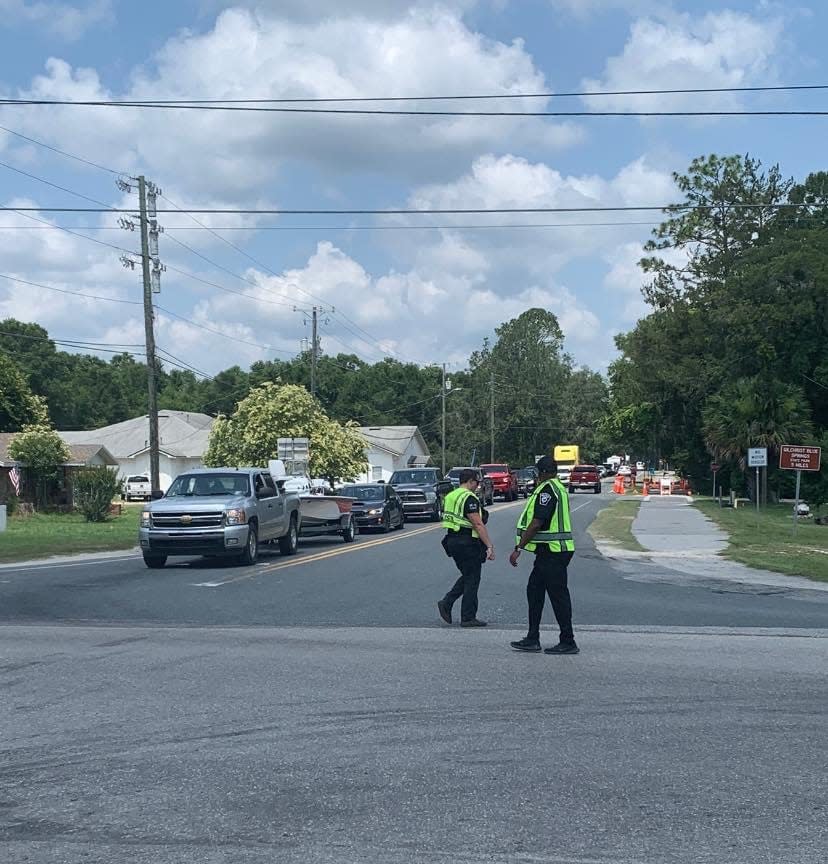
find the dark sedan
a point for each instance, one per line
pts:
(375, 506)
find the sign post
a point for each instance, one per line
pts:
(757, 458)
(714, 467)
(793, 457)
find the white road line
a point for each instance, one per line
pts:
(91, 562)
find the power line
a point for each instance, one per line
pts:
(456, 211)
(432, 98)
(66, 291)
(59, 151)
(399, 112)
(446, 227)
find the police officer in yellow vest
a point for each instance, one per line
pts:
(467, 542)
(545, 529)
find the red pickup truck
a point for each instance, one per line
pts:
(504, 480)
(585, 477)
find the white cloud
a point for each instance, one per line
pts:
(68, 21)
(247, 54)
(719, 49)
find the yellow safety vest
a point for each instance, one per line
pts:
(453, 518)
(557, 536)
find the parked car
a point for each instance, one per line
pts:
(563, 473)
(137, 488)
(485, 487)
(585, 477)
(422, 492)
(221, 512)
(376, 505)
(504, 480)
(527, 479)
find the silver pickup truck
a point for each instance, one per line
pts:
(221, 512)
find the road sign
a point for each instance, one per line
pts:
(714, 467)
(757, 457)
(794, 457)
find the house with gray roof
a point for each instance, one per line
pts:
(392, 448)
(183, 440)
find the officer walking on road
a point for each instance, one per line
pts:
(467, 542)
(545, 529)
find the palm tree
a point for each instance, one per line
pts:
(755, 412)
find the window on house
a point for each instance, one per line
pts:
(376, 472)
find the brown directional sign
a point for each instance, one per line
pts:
(714, 467)
(799, 458)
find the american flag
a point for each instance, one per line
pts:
(14, 478)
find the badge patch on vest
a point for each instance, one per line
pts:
(545, 498)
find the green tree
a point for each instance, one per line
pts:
(19, 407)
(272, 411)
(42, 451)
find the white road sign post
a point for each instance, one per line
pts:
(757, 458)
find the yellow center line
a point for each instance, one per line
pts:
(332, 553)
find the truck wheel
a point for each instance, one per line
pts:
(437, 512)
(290, 542)
(571, 490)
(155, 562)
(251, 547)
(598, 489)
(349, 534)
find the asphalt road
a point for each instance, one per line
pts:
(385, 580)
(314, 709)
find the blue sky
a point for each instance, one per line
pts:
(423, 295)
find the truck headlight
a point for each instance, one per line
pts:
(375, 512)
(431, 497)
(235, 517)
(145, 519)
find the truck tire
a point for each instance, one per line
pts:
(437, 512)
(290, 542)
(251, 547)
(598, 489)
(155, 562)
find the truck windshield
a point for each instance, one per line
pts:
(413, 477)
(188, 485)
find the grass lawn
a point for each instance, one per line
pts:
(770, 544)
(615, 523)
(45, 534)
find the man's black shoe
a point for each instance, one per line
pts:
(563, 648)
(474, 622)
(445, 612)
(526, 645)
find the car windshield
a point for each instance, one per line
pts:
(526, 473)
(413, 477)
(188, 485)
(496, 469)
(364, 493)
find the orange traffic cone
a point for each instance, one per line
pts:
(645, 489)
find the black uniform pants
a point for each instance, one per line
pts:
(548, 576)
(466, 554)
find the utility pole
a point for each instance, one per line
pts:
(314, 343)
(491, 418)
(151, 273)
(443, 436)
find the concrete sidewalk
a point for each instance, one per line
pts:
(681, 538)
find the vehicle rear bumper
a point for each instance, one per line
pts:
(227, 541)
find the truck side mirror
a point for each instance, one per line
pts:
(156, 495)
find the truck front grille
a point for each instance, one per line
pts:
(187, 520)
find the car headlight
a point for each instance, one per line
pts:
(235, 517)
(375, 512)
(145, 519)
(430, 496)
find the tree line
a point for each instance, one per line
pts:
(540, 397)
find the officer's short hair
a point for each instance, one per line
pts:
(468, 474)
(547, 465)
